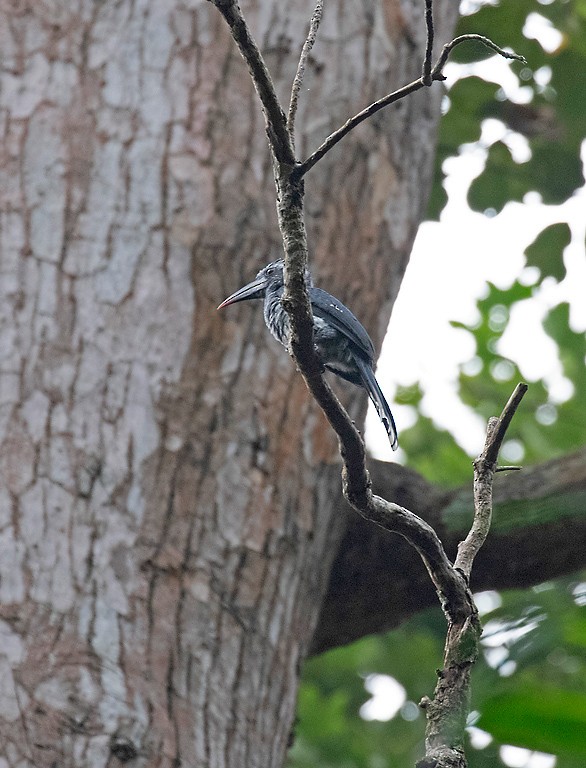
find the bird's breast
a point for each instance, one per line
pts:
(276, 318)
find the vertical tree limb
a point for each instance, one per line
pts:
(298, 79)
(447, 712)
(484, 469)
(426, 75)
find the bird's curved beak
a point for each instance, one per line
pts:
(254, 290)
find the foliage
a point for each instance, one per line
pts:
(533, 697)
(551, 121)
(529, 691)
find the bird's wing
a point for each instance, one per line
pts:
(330, 309)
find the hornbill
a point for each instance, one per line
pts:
(343, 345)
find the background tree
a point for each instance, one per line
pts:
(169, 517)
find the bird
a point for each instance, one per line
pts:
(341, 341)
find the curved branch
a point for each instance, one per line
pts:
(377, 582)
(436, 72)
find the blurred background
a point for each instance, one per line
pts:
(494, 294)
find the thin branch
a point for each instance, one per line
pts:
(484, 469)
(426, 76)
(276, 123)
(493, 445)
(401, 93)
(298, 79)
(436, 72)
(339, 134)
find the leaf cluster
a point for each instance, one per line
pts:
(549, 115)
(530, 694)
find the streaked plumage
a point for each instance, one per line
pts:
(342, 343)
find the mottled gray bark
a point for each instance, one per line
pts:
(168, 517)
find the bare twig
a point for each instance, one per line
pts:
(426, 76)
(436, 72)
(339, 134)
(298, 79)
(401, 93)
(484, 469)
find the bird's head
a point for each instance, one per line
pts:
(270, 278)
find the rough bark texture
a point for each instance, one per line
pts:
(167, 520)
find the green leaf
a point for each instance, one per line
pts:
(572, 344)
(497, 184)
(554, 171)
(547, 719)
(471, 100)
(546, 251)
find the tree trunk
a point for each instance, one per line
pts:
(168, 525)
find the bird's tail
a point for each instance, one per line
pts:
(382, 407)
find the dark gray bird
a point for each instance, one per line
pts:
(343, 345)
